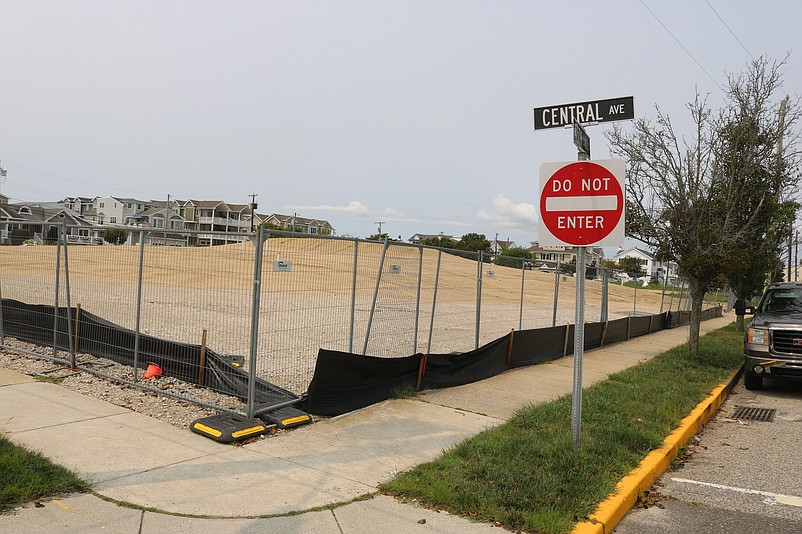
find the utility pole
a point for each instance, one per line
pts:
(783, 104)
(253, 208)
(796, 262)
(380, 223)
(4, 229)
(2, 174)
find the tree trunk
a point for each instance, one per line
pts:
(697, 294)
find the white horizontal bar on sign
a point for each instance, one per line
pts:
(600, 203)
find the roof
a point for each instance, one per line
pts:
(636, 252)
(298, 220)
(43, 213)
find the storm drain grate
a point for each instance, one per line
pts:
(754, 414)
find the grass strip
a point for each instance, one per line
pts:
(527, 474)
(27, 476)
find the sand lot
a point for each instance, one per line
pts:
(328, 287)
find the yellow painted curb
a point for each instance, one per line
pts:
(612, 510)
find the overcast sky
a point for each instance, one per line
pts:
(418, 114)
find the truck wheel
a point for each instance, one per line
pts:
(752, 380)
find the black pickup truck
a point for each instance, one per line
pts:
(773, 340)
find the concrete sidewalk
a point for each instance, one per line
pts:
(184, 482)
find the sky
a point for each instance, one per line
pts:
(414, 114)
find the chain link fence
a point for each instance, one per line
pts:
(266, 303)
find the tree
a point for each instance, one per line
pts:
(115, 236)
(513, 252)
(632, 266)
(439, 241)
(681, 199)
(754, 160)
(569, 267)
(474, 243)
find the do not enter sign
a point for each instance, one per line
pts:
(582, 203)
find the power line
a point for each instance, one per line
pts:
(681, 45)
(730, 30)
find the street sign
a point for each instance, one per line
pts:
(560, 116)
(582, 141)
(582, 203)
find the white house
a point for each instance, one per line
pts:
(552, 255)
(651, 265)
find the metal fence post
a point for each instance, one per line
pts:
(255, 308)
(479, 297)
(353, 299)
(556, 293)
(521, 307)
(2, 334)
(434, 301)
(605, 295)
(635, 300)
(417, 301)
(671, 300)
(55, 305)
(138, 329)
(663, 296)
(70, 337)
(375, 296)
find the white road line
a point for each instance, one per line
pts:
(771, 498)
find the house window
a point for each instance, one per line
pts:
(84, 232)
(158, 222)
(113, 220)
(313, 230)
(102, 205)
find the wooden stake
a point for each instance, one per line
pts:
(604, 333)
(202, 359)
(565, 343)
(421, 370)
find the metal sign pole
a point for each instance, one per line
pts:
(579, 345)
(582, 142)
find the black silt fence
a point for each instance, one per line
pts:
(99, 337)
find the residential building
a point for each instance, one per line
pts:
(651, 265)
(114, 211)
(294, 223)
(420, 238)
(215, 222)
(499, 247)
(550, 256)
(81, 205)
(41, 222)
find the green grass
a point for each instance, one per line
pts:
(528, 474)
(27, 476)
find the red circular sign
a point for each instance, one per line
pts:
(581, 203)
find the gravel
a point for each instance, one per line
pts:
(177, 412)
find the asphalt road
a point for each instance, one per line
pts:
(739, 475)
